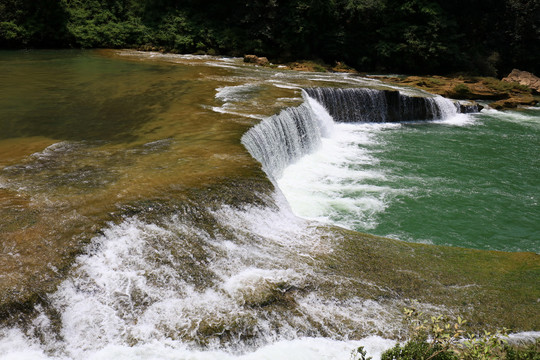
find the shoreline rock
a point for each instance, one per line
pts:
(524, 78)
(505, 95)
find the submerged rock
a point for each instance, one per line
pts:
(514, 102)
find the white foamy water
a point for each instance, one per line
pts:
(446, 107)
(341, 182)
(230, 96)
(228, 109)
(458, 120)
(16, 346)
(236, 93)
(173, 290)
(335, 181)
(528, 116)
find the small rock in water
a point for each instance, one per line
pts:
(254, 59)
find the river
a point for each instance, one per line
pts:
(131, 206)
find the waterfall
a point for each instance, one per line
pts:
(282, 139)
(352, 105)
(371, 105)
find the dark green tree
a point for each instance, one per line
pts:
(486, 37)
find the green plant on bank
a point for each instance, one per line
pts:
(438, 338)
(504, 86)
(430, 82)
(319, 68)
(461, 90)
(531, 352)
(430, 338)
(489, 346)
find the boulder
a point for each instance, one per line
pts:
(254, 59)
(467, 107)
(524, 78)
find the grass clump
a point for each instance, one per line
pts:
(530, 352)
(504, 86)
(430, 82)
(461, 91)
(418, 350)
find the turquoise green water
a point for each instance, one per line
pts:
(473, 186)
(472, 181)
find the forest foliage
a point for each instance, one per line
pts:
(485, 37)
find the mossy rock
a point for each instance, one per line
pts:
(461, 91)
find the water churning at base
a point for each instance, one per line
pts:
(282, 139)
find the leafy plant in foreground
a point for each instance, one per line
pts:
(438, 338)
(431, 338)
(489, 346)
(361, 353)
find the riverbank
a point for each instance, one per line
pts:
(500, 94)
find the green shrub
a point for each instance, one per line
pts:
(531, 352)
(489, 346)
(418, 350)
(431, 338)
(436, 338)
(10, 32)
(461, 90)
